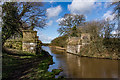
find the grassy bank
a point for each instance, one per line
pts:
(58, 48)
(96, 50)
(101, 49)
(19, 65)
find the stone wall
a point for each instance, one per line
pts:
(30, 36)
(74, 44)
(14, 43)
(29, 47)
(73, 48)
(29, 42)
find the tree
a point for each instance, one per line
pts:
(21, 15)
(98, 29)
(93, 28)
(32, 14)
(117, 11)
(10, 21)
(68, 22)
(59, 41)
(74, 31)
(108, 28)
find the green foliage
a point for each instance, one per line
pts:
(10, 63)
(46, 44)
(15, 44)
(10, 20)
(112, 44)
(39, 44)
(74, 32)
(57, 71)
(59, 41)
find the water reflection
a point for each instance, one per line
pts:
(76, 67)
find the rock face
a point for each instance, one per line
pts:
(29, 42)
(74, 44)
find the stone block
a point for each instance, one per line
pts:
(29, 47)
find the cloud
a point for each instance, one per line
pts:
(60, 19)
(78, 6)
(107, 4)
(98, 4)
(53, 12)
(1, 2)
(115, 32)
(44, 38)
(51, 1)
(50, 23)
(109, 15)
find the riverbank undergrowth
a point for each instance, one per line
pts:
(19, 65)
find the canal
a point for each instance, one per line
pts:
(82, 67)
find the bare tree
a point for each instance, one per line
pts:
(31, 13)
(117, 11)
(70, 21)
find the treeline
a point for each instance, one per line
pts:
(45, 44)
(59, 41)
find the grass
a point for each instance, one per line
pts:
(56, 71)
(19, 65)
(98, 50)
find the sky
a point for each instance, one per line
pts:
(56, 10)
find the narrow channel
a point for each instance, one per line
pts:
(82, 67)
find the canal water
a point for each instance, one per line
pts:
(82, 67)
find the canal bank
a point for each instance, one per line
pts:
(58, 48)
(82, 67)
(88, 54)
(19, 65)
